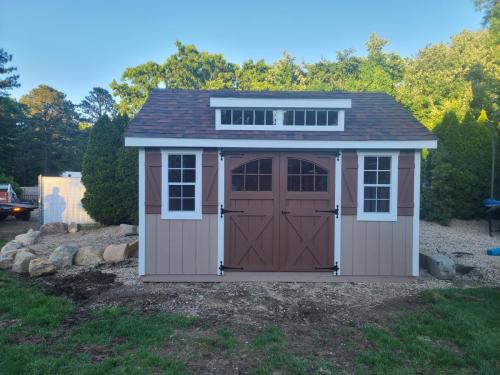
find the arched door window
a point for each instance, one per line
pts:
(306, 176)
(256, 175)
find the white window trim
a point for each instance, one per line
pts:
(181, 215)
(392, 215)
(233, 102)
(279, 126)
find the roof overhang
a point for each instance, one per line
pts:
(278, 143)
(227, 102)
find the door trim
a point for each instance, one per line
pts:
(338, 223)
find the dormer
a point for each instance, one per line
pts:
(239, 113)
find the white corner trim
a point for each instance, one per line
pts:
(142, 213)
(337, 247)
(276, 143)
(392, 215)
(234, 102)
(181, 215)
(220, 218)
(416, 216)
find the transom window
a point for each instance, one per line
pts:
(311, 118)
(306, 176)
(255, 175)
(247, 117)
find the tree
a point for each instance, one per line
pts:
(109, 173)
(491, 19)
(98, 103)
(11, 80)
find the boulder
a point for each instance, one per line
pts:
(133, 249)
(7, 259)
(22, 261)
(128, 230)
(54, 228)
(73, 227)
(88, 256)
(63, 255)
(28, 238)
(117, 253)
(440, 266)
(9, 246)
(40, 267)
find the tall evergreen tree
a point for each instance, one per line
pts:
(97, 103)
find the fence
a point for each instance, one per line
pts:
(30, 193)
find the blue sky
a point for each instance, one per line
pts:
(75, 45)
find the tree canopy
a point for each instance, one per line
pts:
(97, 103)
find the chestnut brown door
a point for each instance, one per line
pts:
(277, 211)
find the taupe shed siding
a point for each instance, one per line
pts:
(181, 247)
(376, 248)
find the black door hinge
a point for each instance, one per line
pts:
(337, 154)
(222, 268)
(335, 211)
(223, 211)
(335, 268)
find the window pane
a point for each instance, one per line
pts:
(269, 118)
(293, 183)
(265, 183)
(188, 191)
(307, 168)
(307, 183)
(251, 182)
(238, 182)
(384, 163)
(237, 116)
(253, 167)
(299, 117)
(174, 175)
(288, 118)
(321, 118)
(259, 117)
(370, 192)
(174, 161)
(383, 206)
(321, 183)
(370, 163)
(370, 177)
(174, 191)
(333, 118)
(188, 175)
(188, 204)
(293, 166)
(248, 118)
(174, 204)
(319, 170)
(266, 166)
(383, 192)
(225, 116)
(384, 177)
(370, 205)
(188, 161)
(310, 117)
(240, 169)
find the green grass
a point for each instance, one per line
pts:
(459, 332)
(2, 242)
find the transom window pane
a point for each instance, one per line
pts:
(306, 176)
(310, 117)
(255, 175)
(181, 182)
(247, 117)
(377, 183)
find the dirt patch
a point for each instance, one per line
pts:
(10, 227)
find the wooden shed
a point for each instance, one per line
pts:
(290, 186)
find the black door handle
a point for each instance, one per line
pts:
(335, 211)
(285, 212)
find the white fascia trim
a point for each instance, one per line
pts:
(142, 213)
(181, 215)
(276, 143)
(416, 216)
(220, 218)
(337, 250)
(279, 103)
(392, 215)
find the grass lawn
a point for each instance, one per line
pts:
(454, 331)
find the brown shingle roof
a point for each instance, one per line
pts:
(187, 114)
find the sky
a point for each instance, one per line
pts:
(78, 44)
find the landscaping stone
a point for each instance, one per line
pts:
(40, 267)
(117, 253)
(73, 227)
(9, 246)
(88, 256)
(22, 261)
(133, 249)
(440, 266)
(7, 259)
(54, 228)
(28, 238)
(63, 255)
(128, 230)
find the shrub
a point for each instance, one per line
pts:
(4, 179)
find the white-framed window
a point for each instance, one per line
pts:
(377, 186)
(181, 184)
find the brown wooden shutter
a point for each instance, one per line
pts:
(349, 183)
(210, 163)
(153, 181)
(406, 170)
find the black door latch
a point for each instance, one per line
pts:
(222, 268)
(335, 268)
(335, 211)
(223, 211)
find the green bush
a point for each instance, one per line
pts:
(109, 173)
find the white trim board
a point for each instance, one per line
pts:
(278, 103)
(142, 213)
(337, 240)
(416, 216)
(220, 218)
(277, 143)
